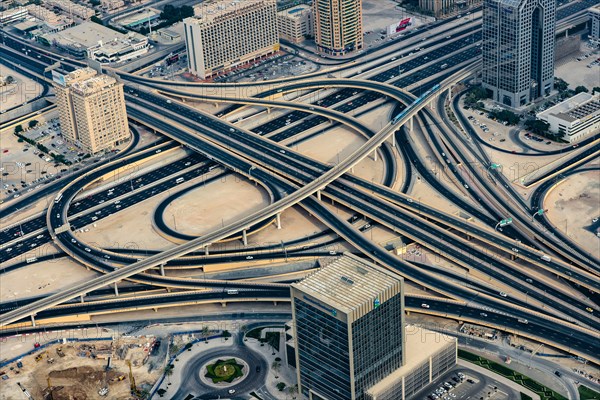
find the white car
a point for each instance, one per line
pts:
(231, 391)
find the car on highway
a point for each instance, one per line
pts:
(503, 294)
(249, 258)
(88, 249)
(589, 309)
(231, 391)
(483, 314)
(425, 305)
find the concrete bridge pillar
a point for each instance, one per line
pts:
(275, 303)
(244, 237)
(268, 110)
(223, 304)
(32, 320)
(319, 195)
(278, 219)
(116, 289)
(410, 124)
(81, 298)
(394, 139)
(375, 155)
(162, 269)
(216, 105)
(206, 251)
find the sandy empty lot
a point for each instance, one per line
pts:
(573, 204)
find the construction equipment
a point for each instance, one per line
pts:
(50, 360)
(25, 392)
(60, 352)
(40, 356)
(134, 389)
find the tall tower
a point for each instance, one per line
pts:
(349, 328)
(338, 26)
(224, 34)
(91, 109)
(518, 49)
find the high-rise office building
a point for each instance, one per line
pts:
(91, 109)
(595, 25)
(348, 320)
(225, 34)
(338, 26)
(295, 23)
(518, 49)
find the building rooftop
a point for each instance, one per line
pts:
(578, 107)
(349, 283)
(420, 344)
(86, 81)
(295, 12)
(90, 35)
(138, 17)
(219, 10)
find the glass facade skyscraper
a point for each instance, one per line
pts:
(518, 49)
(348, 326)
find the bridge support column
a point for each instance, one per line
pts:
(216, 105)
(81, 299)
(319, 195)
(375, 155)
(410, 123)
(407, 313)
(32, 320)
(223, 304)
(450, 93)
(206, 251)
(162, 269)
(278, 219)
(244, 238)
(394, 139)
(352, 169)
(275, 303)
(116, 289)
(268, 110)
(182, 99)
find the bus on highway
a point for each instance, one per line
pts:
(179, 180)
(31, 259)
(58, 198)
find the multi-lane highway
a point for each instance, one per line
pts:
(292, 179)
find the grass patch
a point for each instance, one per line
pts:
(271, 338)
(585, 393)
(224, 371)
(544, 392)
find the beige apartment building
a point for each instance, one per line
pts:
(226, 34)
(338, 26)
(91, 109)
(295, 23)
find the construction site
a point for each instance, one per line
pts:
(85, 370)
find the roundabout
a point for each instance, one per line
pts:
(231, 368)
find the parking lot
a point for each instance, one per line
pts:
(461, 383)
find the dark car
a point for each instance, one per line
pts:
(258, 368)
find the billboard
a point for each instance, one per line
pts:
(400, 26)
(58, 78)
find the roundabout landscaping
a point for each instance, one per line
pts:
(224, 372)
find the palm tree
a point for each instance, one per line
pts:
(168, 372)
(275, 366)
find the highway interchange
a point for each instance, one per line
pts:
(552, 315)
